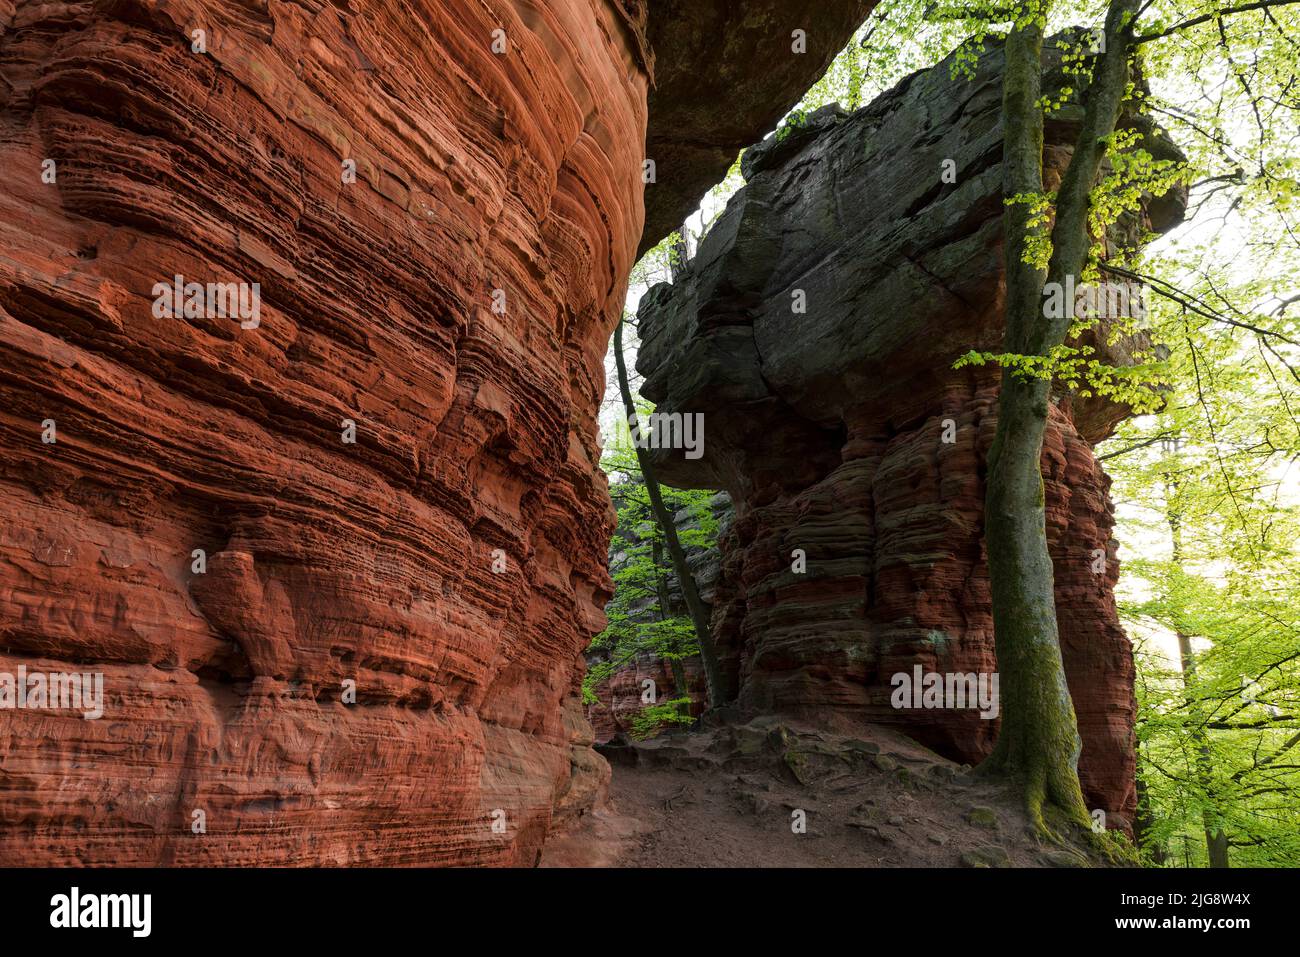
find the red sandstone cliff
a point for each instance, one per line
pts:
(451, 560)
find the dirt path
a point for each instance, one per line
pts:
(770, 794)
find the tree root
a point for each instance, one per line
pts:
(1055, 808)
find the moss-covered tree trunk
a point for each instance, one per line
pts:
(676, 554)
(1038, 743)
(1039, 740)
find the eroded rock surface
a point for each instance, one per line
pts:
(725, 73)
(827, 427)
(451, 560)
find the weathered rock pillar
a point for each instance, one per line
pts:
(816, 331)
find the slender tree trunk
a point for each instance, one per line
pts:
(1038, 743)
(665, 612)
(1216, 839)
(1144, 821)
(676, 554)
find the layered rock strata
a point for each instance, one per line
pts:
(816, 330)
(334, 535)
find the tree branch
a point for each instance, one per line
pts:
(1133, 448)
(1213, 15)
(1191, 304)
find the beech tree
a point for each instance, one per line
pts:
(1038, 742)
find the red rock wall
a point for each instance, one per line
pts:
(619, 697)
(475, 170)
(326, 561)
(896, 577)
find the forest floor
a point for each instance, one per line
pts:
(735, 796)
